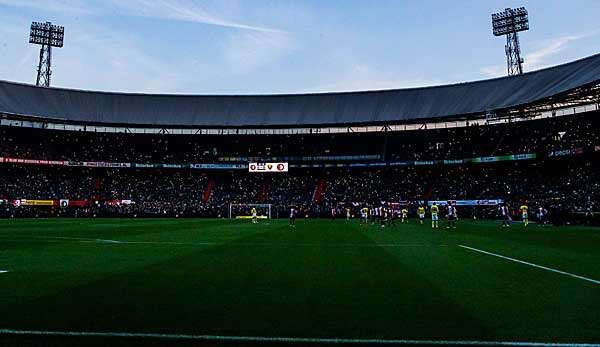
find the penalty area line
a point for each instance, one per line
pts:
(531, 264)
(333, 341)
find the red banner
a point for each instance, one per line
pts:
(32, 161)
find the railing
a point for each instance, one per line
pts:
(8, 120)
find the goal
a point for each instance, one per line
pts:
(242, 211)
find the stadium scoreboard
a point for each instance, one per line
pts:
(268, 167)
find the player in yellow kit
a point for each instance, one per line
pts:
(421, 213)
(524, 214)
(254, 215)
(404, 213)
(434, 215)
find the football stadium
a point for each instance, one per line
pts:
(458, 214)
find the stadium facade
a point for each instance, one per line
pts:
(532, 138)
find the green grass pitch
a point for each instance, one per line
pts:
(323, 279)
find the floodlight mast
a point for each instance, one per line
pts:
(509, 22)
(47, 35)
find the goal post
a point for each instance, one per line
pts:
(242, 211)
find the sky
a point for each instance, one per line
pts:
(282, 46)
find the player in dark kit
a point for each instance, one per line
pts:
(542, 216)
(392, 216)
(505, 215)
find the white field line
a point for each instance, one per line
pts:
(531, 264)
(81, 239)
(286, 339)
(100, 241)
(3, 271)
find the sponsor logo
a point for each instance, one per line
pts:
(565, 152)
(491, 202)
(576, 151)
(28, 202)
(454, 161)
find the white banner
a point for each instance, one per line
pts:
(489, 202)
(268, 167)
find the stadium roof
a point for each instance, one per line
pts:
(365, 107)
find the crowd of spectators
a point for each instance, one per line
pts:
(538, 136)
(566, 183)
(560, 184)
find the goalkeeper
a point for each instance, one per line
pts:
(254, 215)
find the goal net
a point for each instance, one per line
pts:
(244, 211)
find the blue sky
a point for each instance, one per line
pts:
(269, 46)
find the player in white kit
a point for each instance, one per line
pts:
(293, 213)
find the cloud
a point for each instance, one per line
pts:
(493, 70)
(121, 65)
(360, 77)
(246, 51)
(125, 63)
(540, 58)
(27, 58)
(17, 57)
(61, 6)
(176, 10)
(183, 11)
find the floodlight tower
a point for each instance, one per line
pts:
(509, 23)
(47, 35)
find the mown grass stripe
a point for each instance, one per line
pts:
(57, 239)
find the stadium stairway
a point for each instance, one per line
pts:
(264, 193)
(319, 189)
(208, 191)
